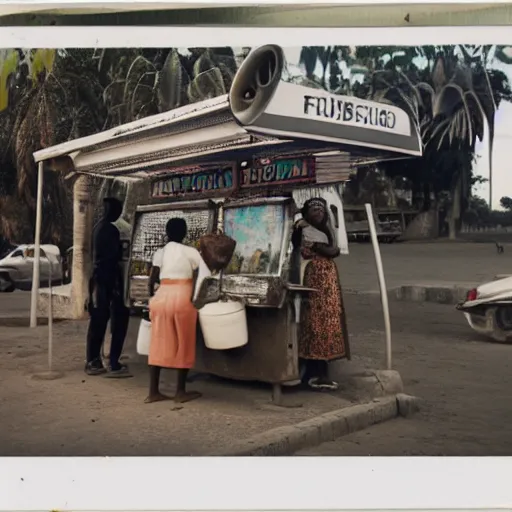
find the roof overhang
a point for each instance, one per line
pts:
(212, 131)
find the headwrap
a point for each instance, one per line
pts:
(314, 202)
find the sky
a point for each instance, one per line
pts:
(501, 176)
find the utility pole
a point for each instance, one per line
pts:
(490, 188)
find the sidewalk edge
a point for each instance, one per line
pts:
(326, 427)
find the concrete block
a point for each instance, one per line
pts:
(411, 293)
(326, 427)
(391, 381)
(407, 405)
(439, 294)
(366, 383)
(61, 306)
(360, 417)
(387, 410)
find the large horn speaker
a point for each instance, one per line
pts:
(264, 103)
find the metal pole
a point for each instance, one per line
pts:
(50, 316)
(37, 247)
(382, 282)
(490, 188)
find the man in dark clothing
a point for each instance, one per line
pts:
(106, 295)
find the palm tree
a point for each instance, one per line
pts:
(328, 57)
(52, 96)
(450, 104)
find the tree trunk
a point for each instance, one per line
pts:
(454, 214)
(427, 201)
(82, 242)
(391, 193)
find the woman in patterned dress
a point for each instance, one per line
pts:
(323, 331)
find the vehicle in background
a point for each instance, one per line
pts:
(67, 266)
(17, 266)
(488, 309)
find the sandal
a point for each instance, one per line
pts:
(315, 384)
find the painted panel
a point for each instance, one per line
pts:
(278, 172)
(258, 231)
(194, 182)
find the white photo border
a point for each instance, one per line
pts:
(255, 483)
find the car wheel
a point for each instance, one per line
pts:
(500, 319)
(504, 317)
(6, 285)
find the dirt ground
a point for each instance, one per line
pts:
(463, 380)
(81, 415)
(424, 263)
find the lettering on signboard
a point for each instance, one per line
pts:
(278, 172)
(351, 112)
(194, 182)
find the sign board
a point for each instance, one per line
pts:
(281, 171)
(194, 181)
(291, 111)
(352, 111)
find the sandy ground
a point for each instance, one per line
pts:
(81, 415)
(425, 263)
(463, 380)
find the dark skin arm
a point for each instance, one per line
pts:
(297, 237)
(154, 278)
(326, 250)
(329, 250)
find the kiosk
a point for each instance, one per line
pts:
(243, 163)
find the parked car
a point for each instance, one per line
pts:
(67, 266)
(488, 309)
(17, 266)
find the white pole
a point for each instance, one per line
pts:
(37, 247)
(382, 282)
(50, 316)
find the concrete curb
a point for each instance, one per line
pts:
(327, 427)
(366, 385)
(430, 293)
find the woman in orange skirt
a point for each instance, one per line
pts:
(173, 316)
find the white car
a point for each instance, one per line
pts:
(488, 309)
(16, 267)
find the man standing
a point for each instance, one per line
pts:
(106, 295)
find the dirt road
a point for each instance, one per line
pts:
(466, 384)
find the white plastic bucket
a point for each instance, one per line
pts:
(224, 325)
(144, 338)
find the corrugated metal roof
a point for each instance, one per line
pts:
(147, 125)
(333, 168)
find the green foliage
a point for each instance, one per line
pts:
(506, 202)
(478, 214)
(51, 96)
(451, 92)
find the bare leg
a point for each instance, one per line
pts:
(154, 385)
(182, 395)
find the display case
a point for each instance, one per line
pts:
(148, 236)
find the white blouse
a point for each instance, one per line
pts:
(178, 261)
